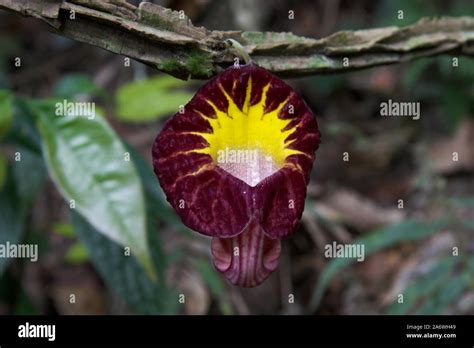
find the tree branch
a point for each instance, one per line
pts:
(169, 41)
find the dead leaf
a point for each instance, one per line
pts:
(443, 153)
(359, 212)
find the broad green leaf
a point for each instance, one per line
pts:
(30, 174)
(150, 99)
(24, 180)
(158, 208)
(157, 205)
(23, 131)
(122, 273)
(87, 162)
(409, 230)
(12, 219)
(76, 84)
(6, 111)
(77, 253)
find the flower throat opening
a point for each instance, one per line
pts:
(248, 142)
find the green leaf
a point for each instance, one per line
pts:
(16, 198)
(12, 293)
(150, 99)
(463, 72)
(327, 84)
(39, 238)
(77, 254)
(158, 208)
(123, 274)
(456, 103)
(3, 170)
(28, 186)
(24, 305)
(409, 230)
(12, 219)
(64, 229)
(414, 73)
(424, 286)
(447, 293)
(6, 112)
(86, 160)
(76, 84)
(157, 205)
(23, 132)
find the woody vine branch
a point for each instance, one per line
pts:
(168, 41)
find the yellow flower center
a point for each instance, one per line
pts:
(248, 143)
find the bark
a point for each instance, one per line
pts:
(167, 39)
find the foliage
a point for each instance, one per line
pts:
(89, 165)
(117, 202)
(428, 293)
(73, 85)
(6, 111)
(385, 237)
(16, 198)
(150, 99)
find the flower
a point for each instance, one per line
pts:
(235, 163)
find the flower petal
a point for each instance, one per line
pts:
(247, 259)
(280, 199)
(242, 109)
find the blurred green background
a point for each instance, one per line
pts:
(84, 190)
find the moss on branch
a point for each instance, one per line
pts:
(167, 39)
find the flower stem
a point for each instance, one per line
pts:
(239, 50)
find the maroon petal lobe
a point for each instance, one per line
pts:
(281, 200)
(247, 259)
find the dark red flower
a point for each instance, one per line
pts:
(235, 165)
